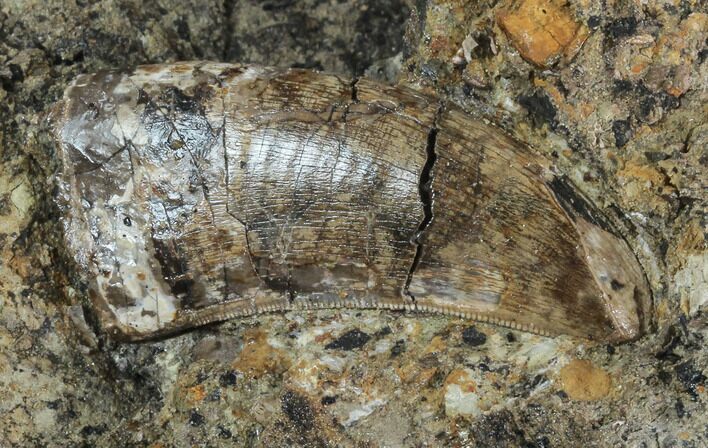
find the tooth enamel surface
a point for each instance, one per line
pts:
(195, 192)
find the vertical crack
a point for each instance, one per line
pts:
(227, 180)
(215, 135)
(292, 294)
(225, 271)
(355, 90)
(427, 196)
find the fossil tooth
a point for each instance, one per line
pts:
(195, 192)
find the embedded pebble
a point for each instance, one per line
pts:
(473, 337)
(350, 340)
(542, 31)
(582, 380)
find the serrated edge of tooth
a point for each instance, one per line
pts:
(202, 318)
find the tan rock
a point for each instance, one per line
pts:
(461, 397)
(543, 31)
(258, 357)
(689, 252)
(674, 54)
(196, 393)
(582, 380)
(645, 188)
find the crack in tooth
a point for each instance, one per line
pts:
(229, 212)
(355, 90)
(427, 195)
(292, 294)
(227, 283)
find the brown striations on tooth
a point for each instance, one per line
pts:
(197, 191)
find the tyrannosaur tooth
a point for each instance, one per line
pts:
(253, 189)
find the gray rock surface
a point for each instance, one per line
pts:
(623, 115)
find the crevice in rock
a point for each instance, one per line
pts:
(425, 190)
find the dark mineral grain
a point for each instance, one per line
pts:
(541, 109)
(472, 336)
(691, 377)
(298, 410)
(350, 340)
